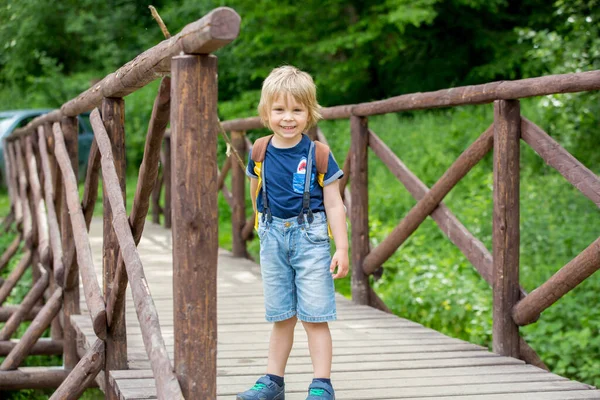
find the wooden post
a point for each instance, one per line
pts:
(71, 292)
(195, 223)
(238, 191)
(113, 116)
(507, 133)
(359, 213)
(167, 180)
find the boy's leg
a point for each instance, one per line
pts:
(320, 347)
(280, 345)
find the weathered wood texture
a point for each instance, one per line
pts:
(506, 236)
(53, 227)
(557, 157)
(10, 251)
(38, 206)
(43, 347)
(238, 192)
(34, 332)
(32, 378)
(195, 223)
(90, 190)
(13, 179)
(359, 214)
(91, 289)
(568, 277)
(113, 118)
(15, 275)
(23, 195)
(144, 304)
(208, 34)
(7, 175)
(7, 311)
(167, 176)
(84, 372)
(463, 164)
(141, 201)
(70, 139)
(26, 305)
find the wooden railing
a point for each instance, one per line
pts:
(513, 307)
(53, 221)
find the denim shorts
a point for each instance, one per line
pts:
(294, 260)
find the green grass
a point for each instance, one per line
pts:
(428, 280)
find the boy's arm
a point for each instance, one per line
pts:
(253, 187)
(336, 215)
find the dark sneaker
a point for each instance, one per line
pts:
(264, 389)
(320, 391)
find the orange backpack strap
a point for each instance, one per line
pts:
(322, 156)
(259, 148)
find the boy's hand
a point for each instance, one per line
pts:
(339, 259)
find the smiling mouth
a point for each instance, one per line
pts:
(288, 128)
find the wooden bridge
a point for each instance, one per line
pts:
(377, 355)
(190, 326)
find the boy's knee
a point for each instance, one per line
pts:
(290, 322)
(310, 326)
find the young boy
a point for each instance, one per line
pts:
(297, 209)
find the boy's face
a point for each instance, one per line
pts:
(288, 119)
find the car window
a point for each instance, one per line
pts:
(4, 124)
(25, 121)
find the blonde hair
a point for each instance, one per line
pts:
(290, 80)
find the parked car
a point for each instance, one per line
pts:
(11, 120)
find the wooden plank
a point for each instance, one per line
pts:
(571, 395)
(400, 356)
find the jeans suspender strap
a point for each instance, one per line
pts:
(306, 194)
(266, 209)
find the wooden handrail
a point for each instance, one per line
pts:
(145, 185)
(84, 372)
(568, 277)
(91, 289)
(90, 190)
(206, 35)
(26, 305)
(167, 385)
(463, 95)
(463, 164)
(14, 182)
(15, 275)
(25, 205)
(38, 206)
(560, 159)
(54, 230)
(34, 332)
(10, 251)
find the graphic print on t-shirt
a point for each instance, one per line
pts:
(300, 176)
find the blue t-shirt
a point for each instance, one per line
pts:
(285, 173)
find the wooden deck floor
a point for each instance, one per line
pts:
(376, 355)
